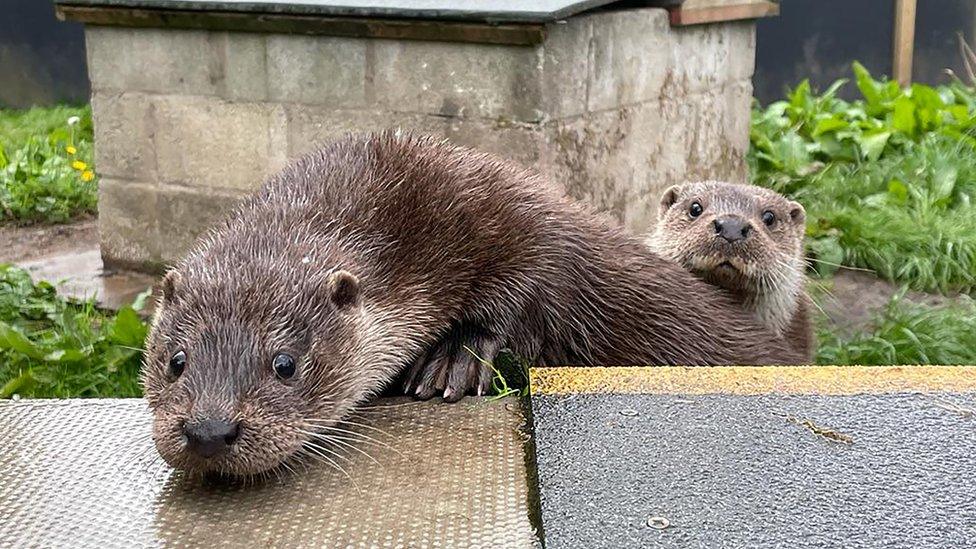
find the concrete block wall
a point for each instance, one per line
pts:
(614, 106)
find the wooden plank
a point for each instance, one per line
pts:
(697, 16)
(904, 41)
(396, 29)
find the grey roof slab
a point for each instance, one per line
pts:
(496, 11)
(84, 473)
(736, 471)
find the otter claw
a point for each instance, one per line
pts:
(454, 367)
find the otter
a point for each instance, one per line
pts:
(747, 240)
(382, 252)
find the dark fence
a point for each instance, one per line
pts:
(818, 39)
(42, 60)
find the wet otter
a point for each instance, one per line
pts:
(748, 240)
(381, 251)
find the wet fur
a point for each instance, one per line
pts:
(453, 250)
(768, 276)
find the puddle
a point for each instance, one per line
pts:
(80, 275)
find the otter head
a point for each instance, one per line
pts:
(744, 238)
(244, 370)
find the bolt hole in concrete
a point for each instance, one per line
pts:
(658, 523)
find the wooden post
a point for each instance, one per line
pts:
(904, 41)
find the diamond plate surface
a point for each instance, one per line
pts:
(84, 473)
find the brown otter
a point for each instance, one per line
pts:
(381, 251)
(748, 240)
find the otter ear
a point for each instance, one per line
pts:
(343, 288)
(668, 199)
(797, 213)
(170, 285)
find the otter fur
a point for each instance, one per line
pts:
(747, 240)
(381, 252)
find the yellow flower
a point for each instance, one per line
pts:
(70, 149)
(79, 165)
(87, 175)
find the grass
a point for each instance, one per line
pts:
(52, 347)
(888, 180)
(909, 218)
(907, 333)
(46, 165)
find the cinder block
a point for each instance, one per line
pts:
(317, 70)
(707, 56)
(124, 131)
(521, 142)
(630, 57)
(153, 60)
(185, 214)
(245, 70)
(209, 143)
(127, 222)
(308, 128)
(565, 67)
(610, 159)
(457, 80)
(711, 128)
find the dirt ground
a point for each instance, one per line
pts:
(19, 244)
(851, 298)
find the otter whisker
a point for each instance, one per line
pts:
(316, 451)
(328, 450)
(354, 437)
(333, 422)
(283, 466)
(355, 434)
(137, 457)
(337, 440)
(306, 452)
(366, 426)
(374, 406)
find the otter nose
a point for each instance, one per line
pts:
(211, 437)
(732, 228)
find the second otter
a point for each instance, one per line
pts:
(746, 239)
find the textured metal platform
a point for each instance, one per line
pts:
(85, 474)
(701, 457)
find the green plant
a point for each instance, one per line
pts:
(793, 138)
(909, 218)
(510, 374)
(907, 333)
(51, 347)
(887, 180)
(46, 168)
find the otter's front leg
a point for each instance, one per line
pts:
(458, 364)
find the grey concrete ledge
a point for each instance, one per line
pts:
(486, 11)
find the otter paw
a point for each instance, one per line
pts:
(454, 367)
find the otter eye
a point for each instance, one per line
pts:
(768, 218)
(284, 365)
(176, 364)
(695, 209)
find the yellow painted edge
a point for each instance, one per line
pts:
(752, 380)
